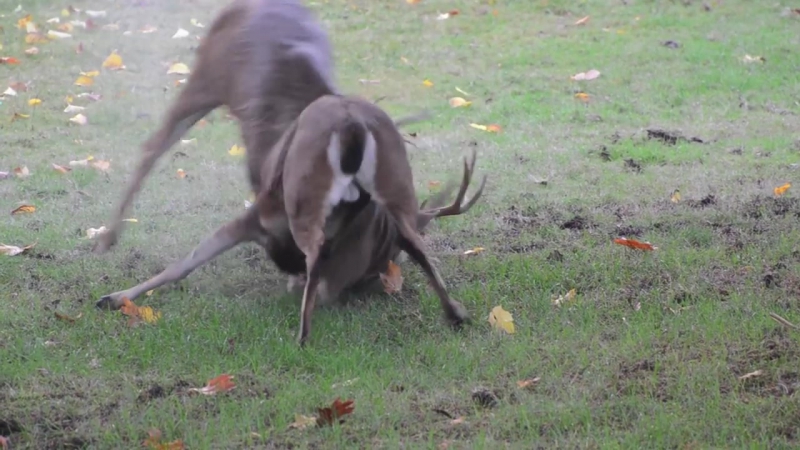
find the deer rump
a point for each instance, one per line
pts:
(306, 212)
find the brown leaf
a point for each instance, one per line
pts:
(582, 21)
(755, 374)
(153, 441)
(12, 250)
(26, 209)
(61, 169)
(221, 383)
(327, 416)
(67, 318)
(22, 172)
(393, 279)
(529, 383)
(633, 243)
(302, 422)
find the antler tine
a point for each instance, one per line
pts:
(457, 207)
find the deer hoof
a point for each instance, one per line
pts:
(107, 303)
(104, 242)
(458, 315)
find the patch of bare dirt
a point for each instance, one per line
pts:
(763, 206)
(671, 137)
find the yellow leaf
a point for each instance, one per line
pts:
(131, 220)
(427, 83)
(34, 101)
(148, 314)
(79, 119)
(23, 22)
(178, 68)
(64, 12)
(35, 38)
(19, 116)
(586, 76)
(566, 298)
(13, 250)
(393, 279)
(24, 209)
(181, 173)
(487, 128)
(22, 172)
(747, 59)
(479, 127)
(149, 293)
(236, 150)
(457, 102)
(474, 251)
(501, 319)
(91, 73)
(83, 80)
(676, 196)
(582, 96)
(197, 24)
(113, 62)
(780, 190)
(302, 422)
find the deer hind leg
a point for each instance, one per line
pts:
(194, 102)
(223, 239)
(310, 237)
(410, 241)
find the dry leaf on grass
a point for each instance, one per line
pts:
(178, 68)
(302, 422)
(92, 233)
(529, 383)
(12, 250)
(95, 14)
(633, 243)
(501, 319)
(586, 76)
(338, 409)
(24, 209)
(113, 62)
(10, 92)
(747, 59)
(73, 109)
(138, 314)
(221, 383)
(81, 162)
(153, 442)
(487, 128)
(755, 374)
(393, 279)
(34, 102)
(32, 51)
(58, 35)
(197, 24)
(8, 60)
(66, 318)
(780, 190)
(181, 173)
(22, 172)
(84, 80)
(36, 38)
(583, 96)
(676, 196)
(100, 164)
(458, 102)
(582, 21)
(79, 119)
(563, 299)
(427, 83)
(474, 251)
(181, 33)
(236, 150)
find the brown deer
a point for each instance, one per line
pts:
(337, 196)
(266, 60)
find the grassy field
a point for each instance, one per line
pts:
(650, 354)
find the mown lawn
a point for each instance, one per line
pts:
(652, 351)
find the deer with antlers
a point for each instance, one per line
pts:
(337, 202)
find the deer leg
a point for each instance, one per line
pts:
(223, 239)
(411, 243)
(193, 103)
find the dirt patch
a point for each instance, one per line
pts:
(706, 201)
(671, 137)
(633, 165)
(763, 206)
(576, 223)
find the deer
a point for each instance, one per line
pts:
(266, 60)
(338, 184)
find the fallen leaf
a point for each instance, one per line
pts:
(412, 2)
(434, 184)
(302, 422)
(236, 150)
(676, 196)
(197, 24)
(181, 173)
(36, 38)
(747, 59)
(113, 62)
(100, 164)
(153, 441)
(19, 116)
(83, 80)
(181, 33)
(90, 96)
(327, 416)
(582, 96)
(487, 128)
(138, 314)
(34, 102)
(8, 60)
(457, 102)
(73, 108)
(58, 34)
(61, 169)
(747, 376)
(95, 14)
(91, 73)
(474, 251)
(12, 250)
(66, 27)
(132, 221)
(148, 29)
(65, 12)
(188, 141)
(81, 162)
(178, 68)
(462, 91)
(32, 51)
(80, 119)
(458, 421)
(221, 383)
(566, 298)
(633, 243)
(780, 190)
(92, 233)
(67, 318)
(22, 23)
(502, 319)
(54, 20)
(10, 92)
(529, 383)
(24, 209)
(447, 15)
(393, 279)
(582, 21)
(427, 83)
(586, 76)
(149, 293)
(22, 172)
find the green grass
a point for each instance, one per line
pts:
(649, 355)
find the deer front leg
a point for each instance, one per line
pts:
(225, 238)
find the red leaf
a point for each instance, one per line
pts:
(338, 409)
(8, 60)
(633, 243)
(221, 383)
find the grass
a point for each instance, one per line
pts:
(648, 356)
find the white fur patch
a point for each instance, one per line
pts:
(342, 187)
(369, 165)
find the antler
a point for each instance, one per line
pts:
(458, 206)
